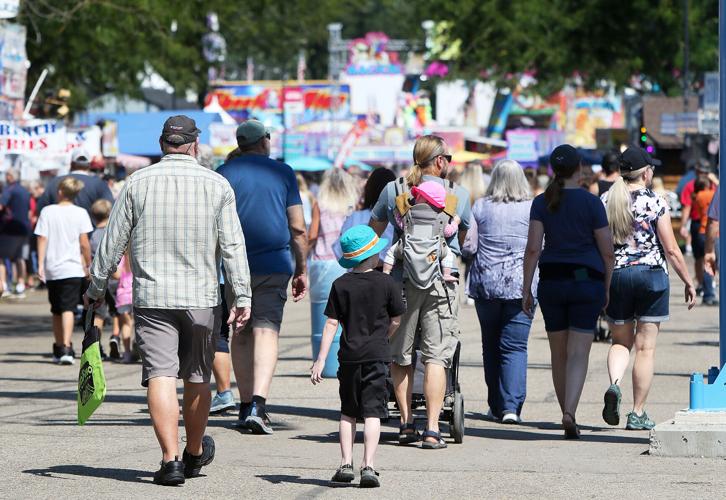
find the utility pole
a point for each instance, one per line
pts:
(686, 57)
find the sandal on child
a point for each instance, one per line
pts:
(407, 437)
(428, 445)
(570, 426)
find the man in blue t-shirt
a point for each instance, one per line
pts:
(271, 214)
(94, 188)
(14, 229)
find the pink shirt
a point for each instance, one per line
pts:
(125, 283)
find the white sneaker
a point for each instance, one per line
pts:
(66, 359)
(469, 301)
(511, 418)
(20, 288)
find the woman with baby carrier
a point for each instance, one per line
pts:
(432, 303)
(640, 289)
(575, 268)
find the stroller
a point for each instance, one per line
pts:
(452, 412)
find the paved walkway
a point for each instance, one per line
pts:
(47, 455)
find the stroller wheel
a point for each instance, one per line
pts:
(457, 418)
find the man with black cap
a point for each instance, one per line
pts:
(94, 188)
(691, 215)
(175, 218)
(270, 210)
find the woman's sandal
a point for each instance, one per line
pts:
(570, 426)
(407, 437)
(428, 445)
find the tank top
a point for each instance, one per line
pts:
(328, 234)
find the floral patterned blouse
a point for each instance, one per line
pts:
(643, 246)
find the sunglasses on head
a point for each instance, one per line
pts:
(267, 135)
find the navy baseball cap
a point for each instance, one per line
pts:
(565, 156)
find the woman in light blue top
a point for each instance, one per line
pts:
(502, 223)
(376, 183)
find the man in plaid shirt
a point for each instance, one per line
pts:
(177, 218)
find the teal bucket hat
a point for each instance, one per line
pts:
(359, 243)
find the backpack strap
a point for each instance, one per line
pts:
(403, 202)
(452, 201)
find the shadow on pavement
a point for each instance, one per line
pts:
(70, 396)
(302, 411)
(126, 475)
(285, 478)
(513, 433)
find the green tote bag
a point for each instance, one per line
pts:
(91, 380)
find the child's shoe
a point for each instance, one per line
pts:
(369, 478)
(344, 474)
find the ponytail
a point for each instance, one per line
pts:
(619, 206)
(553, 193)
(620, 212)
(414, 176)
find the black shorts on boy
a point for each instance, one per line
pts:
(364, 303)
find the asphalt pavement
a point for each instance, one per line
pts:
(47, 455)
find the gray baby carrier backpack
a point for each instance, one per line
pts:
(422, 240)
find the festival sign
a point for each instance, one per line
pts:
(9, 8)
(47, 137)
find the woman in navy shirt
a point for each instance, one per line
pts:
(575, 268)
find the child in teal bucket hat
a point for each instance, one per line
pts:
(368, 304)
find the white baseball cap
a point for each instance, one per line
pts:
(80, 156)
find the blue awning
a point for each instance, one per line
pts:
(138, 133)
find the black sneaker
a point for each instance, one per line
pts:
(56, 353)
(67, 355)
(344, 474)
(244, 412)
(369, 478)
(171, 473)
(113, 346)
(193, 464)
(258, 420)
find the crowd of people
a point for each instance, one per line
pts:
(191, 267)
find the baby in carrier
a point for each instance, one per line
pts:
(426, 225)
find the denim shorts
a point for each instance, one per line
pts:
(570, 304)
(639, 293)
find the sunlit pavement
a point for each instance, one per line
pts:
(45, 454)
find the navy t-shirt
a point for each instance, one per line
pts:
(569, 232)
(264, 189)
(16, 202)
(94, 188)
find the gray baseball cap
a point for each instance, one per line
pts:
(250, 132)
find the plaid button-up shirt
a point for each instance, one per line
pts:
(178, 219)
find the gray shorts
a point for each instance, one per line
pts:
(13, 247)
(269, 295)
(177, 343)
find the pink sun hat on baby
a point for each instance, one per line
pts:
(432, 192)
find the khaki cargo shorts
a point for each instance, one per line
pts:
(177, 343)
(435, 311)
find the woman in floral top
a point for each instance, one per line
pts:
(640, 288)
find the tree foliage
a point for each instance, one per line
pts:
(595, 40)
(95, 47)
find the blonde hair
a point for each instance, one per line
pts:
(425, 151)
(619, 206)
(508, 184)
(338, 191)
(101, 210)
(69, 187)
(473, 181)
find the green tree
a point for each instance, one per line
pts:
(596, 39)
